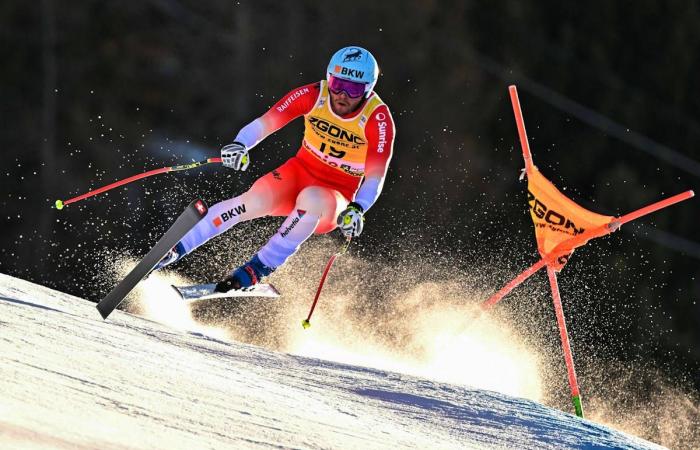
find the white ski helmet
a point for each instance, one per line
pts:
(354, 64)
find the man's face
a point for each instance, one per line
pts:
(342, 104)
(345, 94)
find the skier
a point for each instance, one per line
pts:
(334, 178)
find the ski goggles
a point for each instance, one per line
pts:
(352, 89)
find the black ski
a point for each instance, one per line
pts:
(188, 219)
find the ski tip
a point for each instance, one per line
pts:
(59, 205)
(177, 289)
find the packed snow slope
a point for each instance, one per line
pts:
(68, 379)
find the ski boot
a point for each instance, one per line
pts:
(174, 254)
(245, 276)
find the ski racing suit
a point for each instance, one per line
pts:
(341, 159)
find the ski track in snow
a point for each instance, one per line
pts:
(70, 380)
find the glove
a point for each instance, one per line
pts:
(235, 156)
(351, 220)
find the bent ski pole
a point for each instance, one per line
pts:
(306, 322)
(60, 203)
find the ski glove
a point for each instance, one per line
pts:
(235, 156)
(351, 220)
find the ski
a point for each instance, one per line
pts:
(207, 291)
(194, 212)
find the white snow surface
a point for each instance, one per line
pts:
(68, 379)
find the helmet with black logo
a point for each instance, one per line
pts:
(354, 64)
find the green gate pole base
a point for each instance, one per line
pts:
(576, 399)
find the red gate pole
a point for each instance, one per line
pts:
(515, 282)
(520, 122)
(559, 311)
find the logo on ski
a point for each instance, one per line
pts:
(228, 215)
(201, 207)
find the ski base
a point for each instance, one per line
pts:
(187, 220)
(207, 291)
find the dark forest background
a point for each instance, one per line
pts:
(95, 91)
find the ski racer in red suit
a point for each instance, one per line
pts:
(334, 178)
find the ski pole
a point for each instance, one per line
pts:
(306, 322)
(60, 203)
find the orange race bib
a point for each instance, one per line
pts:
(337, 142)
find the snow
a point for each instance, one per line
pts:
(71, 380)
